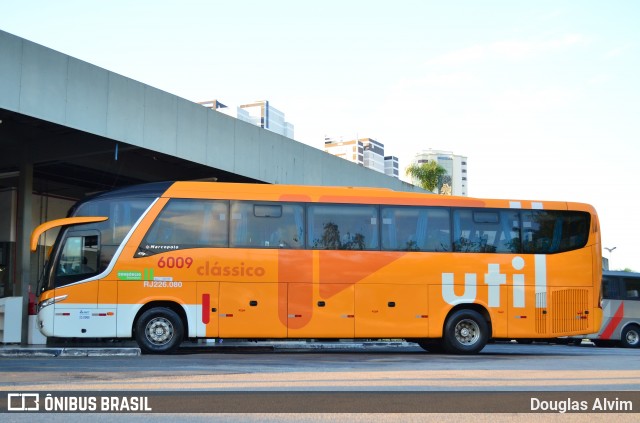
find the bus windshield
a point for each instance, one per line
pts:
(85, 250)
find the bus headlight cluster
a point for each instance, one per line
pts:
(50, 301)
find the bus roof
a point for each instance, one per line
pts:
(307, 193)
(620, 273)
(151, 190)
(327, 194)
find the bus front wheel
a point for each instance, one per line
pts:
(465, 332)
(159, 331)
(630, 337)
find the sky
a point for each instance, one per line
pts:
(542, 97)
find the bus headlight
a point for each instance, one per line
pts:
(50, 301)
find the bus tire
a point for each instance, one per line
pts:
(465, 332)
(630, 337)
(159, 331)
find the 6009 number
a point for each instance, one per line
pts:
(175, 262)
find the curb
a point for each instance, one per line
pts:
(338, 345)
(68, 352)
(100, 352)
(28, 352)
(18, 351)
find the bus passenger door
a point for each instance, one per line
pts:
(207, 310)
(78, 314)
(250, 310)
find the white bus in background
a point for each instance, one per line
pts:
(620, 311)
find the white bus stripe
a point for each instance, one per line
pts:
(541, 280)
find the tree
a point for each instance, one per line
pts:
(427, 174)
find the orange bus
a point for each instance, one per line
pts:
(166, 262)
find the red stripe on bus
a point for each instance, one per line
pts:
(205, 309)
(613, 324)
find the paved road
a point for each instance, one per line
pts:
(549, 369)
(498, 367)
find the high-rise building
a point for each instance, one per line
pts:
(391, 166)
(352, 150)
(262, 114)
(455, 181)
(259, 113)
(366, 152)
(373, 154)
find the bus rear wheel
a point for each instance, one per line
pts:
(630, 337)
(159, 331)
(465, 332)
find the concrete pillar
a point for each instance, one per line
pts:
(23, 254)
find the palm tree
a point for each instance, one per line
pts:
(427, 174)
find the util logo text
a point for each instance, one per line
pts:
(494, 278)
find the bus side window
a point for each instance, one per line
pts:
(554, 231)
(342, 227)
(632, 288)
(185, 223)
(610, 289)
(266, 225)
(465, 236)
(486, 231)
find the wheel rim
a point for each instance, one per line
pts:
(632, 337)
(159, 331)
(467, 332)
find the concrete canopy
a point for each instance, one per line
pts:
(86, 129)
(69, 163)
